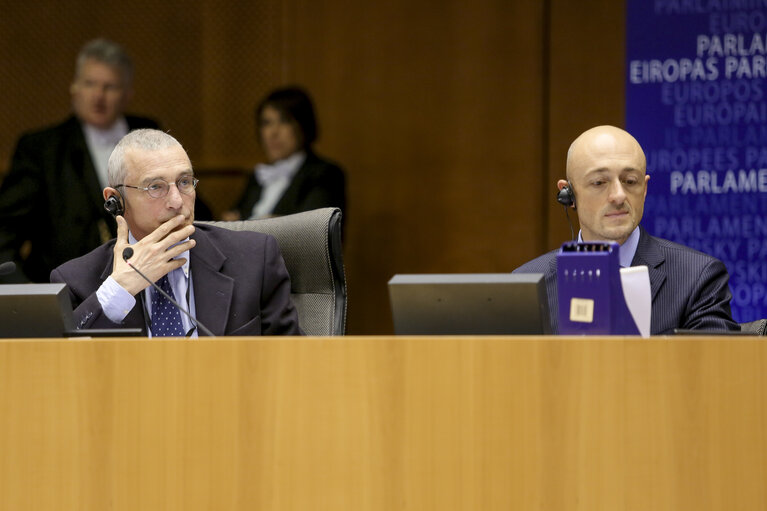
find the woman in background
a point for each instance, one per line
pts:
(295, 179)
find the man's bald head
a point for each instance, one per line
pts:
(606, 170)
(603, 138)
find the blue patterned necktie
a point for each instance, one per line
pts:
(166, 318)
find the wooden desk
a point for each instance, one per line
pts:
(384, 423)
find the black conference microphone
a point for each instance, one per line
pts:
(127, 254)
(7, 267)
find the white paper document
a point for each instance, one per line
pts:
(636, 291)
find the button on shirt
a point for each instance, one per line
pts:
(117, 302)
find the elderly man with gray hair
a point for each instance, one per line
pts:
(225, 282)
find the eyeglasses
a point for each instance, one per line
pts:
(159, 188)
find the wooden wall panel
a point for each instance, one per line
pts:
(40, 41)
(434, 109)
(451, 118)
(587, 88)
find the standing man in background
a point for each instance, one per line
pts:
(51, 200)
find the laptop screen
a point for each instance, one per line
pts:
(469, 304)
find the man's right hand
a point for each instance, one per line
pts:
(153, 255)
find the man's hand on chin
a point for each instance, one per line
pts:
(153, 255)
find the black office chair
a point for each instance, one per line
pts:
(758, 327)
(310, 243)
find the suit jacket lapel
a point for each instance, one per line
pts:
(80, 158)
(648, 254)
(212, 289)
(289, 200)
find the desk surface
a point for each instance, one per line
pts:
(384, 423)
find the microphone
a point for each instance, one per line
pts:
(127, 254)
(7, 267)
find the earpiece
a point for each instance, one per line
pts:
(565, 196)
(114, 206)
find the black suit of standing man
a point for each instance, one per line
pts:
(51, 207)
(52, 197)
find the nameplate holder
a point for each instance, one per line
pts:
(590, 292)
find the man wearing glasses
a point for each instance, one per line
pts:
(234, 283)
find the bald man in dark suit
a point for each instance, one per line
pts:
(607, 184)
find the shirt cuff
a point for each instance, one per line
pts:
(115, 301)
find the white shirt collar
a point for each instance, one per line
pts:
(627, 250)
(280, 170)
(106, 137)
(100, 145)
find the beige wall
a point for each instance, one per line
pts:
(451, 118)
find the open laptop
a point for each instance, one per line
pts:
(469, 304)
(43, 310)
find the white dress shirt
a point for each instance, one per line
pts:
(274, 180)
(101, 143)
(628, 250)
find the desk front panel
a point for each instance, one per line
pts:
(383, 423)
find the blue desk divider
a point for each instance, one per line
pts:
(590, 291)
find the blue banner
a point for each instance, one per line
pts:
(697, 103)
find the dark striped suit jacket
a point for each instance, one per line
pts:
(689, 288)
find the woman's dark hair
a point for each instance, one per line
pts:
(294, 104)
